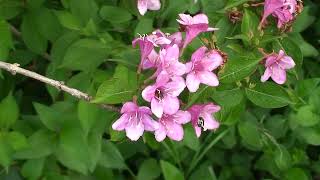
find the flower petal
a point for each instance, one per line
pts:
(182, 117)
(142, 6)
(287, 62)
(267, 74)
(200, 19)
(278, 74)
(211, 108)
(134, 130)
(162, 78)
(176, 86)
(212, 60)
(208, 78)
(174, 131)
(160, 133)
(154, 4)
(121, 123)
(156, 107)
(199, 54)
(149, 123)
(209, 121)
(170, 105)
(129, 107)
(192, 82)
(148, 93)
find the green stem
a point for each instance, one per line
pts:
(172, 153)
(197, 158)
(131, 172)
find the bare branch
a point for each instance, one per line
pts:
(15, 69)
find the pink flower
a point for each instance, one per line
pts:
(201, 117)
(169, 58)
(163, 95)
(135, 120)
(276, 66)
(193, 26)
(147, 44)
(144, 5)
(200, 67)
(171, 126)
(282, 9)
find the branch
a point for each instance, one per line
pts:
(18, 34)
(15, 69)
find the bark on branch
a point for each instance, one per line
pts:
(15, 69)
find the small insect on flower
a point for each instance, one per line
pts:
(200, 123)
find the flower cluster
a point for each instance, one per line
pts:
(162, 52)
(284, 10)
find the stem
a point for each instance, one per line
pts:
(15, 69)
(196, 160)
(171, 152)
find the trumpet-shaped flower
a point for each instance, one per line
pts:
(276, 66)
(200, 68)
(201, 117)
(163, 95)
(135, 120)
(171, 126)
(193, 26)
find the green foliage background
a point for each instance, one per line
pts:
(268, 131)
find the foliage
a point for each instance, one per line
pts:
(268, 131)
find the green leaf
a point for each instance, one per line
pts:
(5, 34)
(68, 20)
(42, 143)
(307, 86)
(268, 95)
(306, 116)
(170, 172)
(48, 24)
(250, 134)
(304, 20)
(31, 34)
(234, 3)
(237, 68)
(148, 170)
(228, 96)
(17, 140)
(310, 135)
(88, 114)
(249, 26)
(84, 10)
(119, 89)
(190, 139)
(49, 116)
(6, 152)
(32, 169)
(34, 4)
(283, 158)
(204, 172)
(115, 14)
(144, 26)
(111, 157)
(94, 141)
(296, 173)
(10, 8)
(9, 112)
(85, 55)
(72, 150)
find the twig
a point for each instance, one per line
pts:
(15, 69)
(17, 33)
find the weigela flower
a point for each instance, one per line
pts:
(193, 26)
(135, 120)
(144, 5)
(171, 126)
(283, 10)
(163, 95)
(276, 66)
(199, 70)
(169, 58)
(202, 119)
(147, 44)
